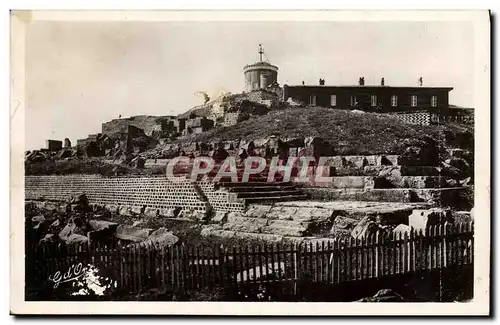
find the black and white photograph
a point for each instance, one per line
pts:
(277, 158)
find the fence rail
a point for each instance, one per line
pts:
(138, 268)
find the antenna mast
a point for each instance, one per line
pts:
(261, 51)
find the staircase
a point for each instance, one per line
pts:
(264, 192)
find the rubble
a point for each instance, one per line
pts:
(384, 295)
(366, 227)
(160, 238)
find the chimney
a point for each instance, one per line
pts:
(382, 82)
(420, 81)
(321, 82)
(361, 81)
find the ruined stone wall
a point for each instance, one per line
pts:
(145, 122)
(151, 192)
(233, 118)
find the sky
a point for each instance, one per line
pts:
(81, 74)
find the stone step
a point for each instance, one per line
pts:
(284, 231)
(218, 232)
(288, 223)
(276, 198)
(250, 184)
(245, 195)
(370, 182)
(404, 170)
(267, 189)
(388, 211)
(246, 220)
(441, 196)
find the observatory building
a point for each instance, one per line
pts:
(260, 75)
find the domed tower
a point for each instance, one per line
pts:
(260, 75)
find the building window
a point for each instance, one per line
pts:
(354, 101)
(373, 100)
(312, 100)
(394, 100)
(413, 100)
(434, 101)
(333, 100)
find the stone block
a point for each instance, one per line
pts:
(344, 223)
(136, 209)
(242, 227)
(125, 210)
(266, 237)
(168, 212)
(387, 160)
(113, 208)
(369, 182)
(421, 219)
(283, 231)
(151, 212)
(356, 161)
(348, 182)
(102, 224)
(335, 161)
(220, 217)
(366, 227)
(161, 237)
(130, 233)
(257, 210)
(246, 220)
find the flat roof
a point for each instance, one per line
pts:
(368, 86)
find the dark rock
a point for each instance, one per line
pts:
(366, 227)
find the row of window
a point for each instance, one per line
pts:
(373, 100)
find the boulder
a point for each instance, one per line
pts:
(125, 210)
(151, 212)
(427, 154)
(138, 162)
(76, 239)
(450, 171)
(460, 164)
(132, 233)
(366, 227)
(346, 223)
(80, 202)
(74, 232)
(169, 212)
(48, 238)
(160, 238)
(249, 146)
(219, 154)
(402, 229)
(343, 225)
(242, 154)
(421, 219)
(101, 225)
(384, 295)
(391, 177)
(37, 221)
(65, 153)
(464, 182)
(220, 217)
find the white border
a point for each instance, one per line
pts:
(480, 304)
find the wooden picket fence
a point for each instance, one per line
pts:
(138, 268)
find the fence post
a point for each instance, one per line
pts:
(377, 253)
(296, 268)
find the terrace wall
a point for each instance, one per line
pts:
(151, 192)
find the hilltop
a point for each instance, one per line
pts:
(349, 132)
